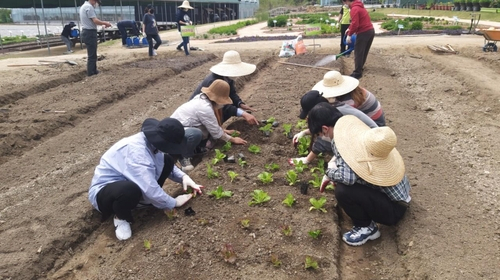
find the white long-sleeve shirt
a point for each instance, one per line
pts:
(133, 159)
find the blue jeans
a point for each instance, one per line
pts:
(192, 138)
(89, 38)
(185, 42)
(67, 42)
(157, 39)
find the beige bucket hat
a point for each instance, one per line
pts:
(186, 5)
(370, 152)
(218, 92)
(335, 84)
(232, 66)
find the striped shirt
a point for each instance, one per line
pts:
(342, 173)
(371, 107)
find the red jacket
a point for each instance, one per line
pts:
(360, 20)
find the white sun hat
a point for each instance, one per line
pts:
(232, 66)
(369, 152)
(335, 84)
(186, 5)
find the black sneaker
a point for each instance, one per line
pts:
(179, 48)
(201, 150)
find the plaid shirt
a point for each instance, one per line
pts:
(342, 173)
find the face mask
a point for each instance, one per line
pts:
(325, 138)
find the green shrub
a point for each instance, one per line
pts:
(374, 16)
(417, 25)
(280, 21)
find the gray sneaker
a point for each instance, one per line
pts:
(186, 164)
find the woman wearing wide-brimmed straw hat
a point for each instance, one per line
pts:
(368, 172)
(201, 117)
(182, 18)
(230, 67)
(132, 172)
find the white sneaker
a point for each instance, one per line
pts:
(122, 229)
(154, 53)
(67, 52)
(186, 164)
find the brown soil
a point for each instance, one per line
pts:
(56, 123)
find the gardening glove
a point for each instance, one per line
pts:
(348, 40)
(325, 182)
(332, 164)
(182, 199)
(303, 159)
(188, 182)
(297, 136)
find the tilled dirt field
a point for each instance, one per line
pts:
(56, 123)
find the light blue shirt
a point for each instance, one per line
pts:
(133, 159)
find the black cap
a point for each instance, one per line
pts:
(309, 100)
(161, 133)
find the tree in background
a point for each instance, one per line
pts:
(5, 16)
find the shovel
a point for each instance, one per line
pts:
(70, 62)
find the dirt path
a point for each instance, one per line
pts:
(444, 109)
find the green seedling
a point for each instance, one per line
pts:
(271, 120)
(242, 162)
(291, 177)
(211, 174)
(181, 250)
(320, 167)
(219, 156)
(286, 230)
(302, 124)
(275, 261)
(203, 222)
(310, 263)
(235, 134)
(147, 244)
(316, 183)
(254, 149)
(317, 204)
(245, 223)
(220, 193)
(287, 129)
(314, 233)
(330, 187)
(268, 128)
(232, 175)
(228, 253)
(289, 200)
(226, 147)
(265, 177)
(299, 166)
(273, 167)
(303, 145)
(171, 214)
(258, 197)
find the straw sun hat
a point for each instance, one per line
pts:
(335, 84)
(370, 152)
(218, 92)
(232, 66)
(186, 5)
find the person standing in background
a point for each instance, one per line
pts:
(362, 26)
(89, 33)
(151, 30)
(344, 21)
(182, 18)
(65, 36)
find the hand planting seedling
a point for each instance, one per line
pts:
(235, 134)
(310, 263)
(265, 177)
(220, 193)
(254, 149)
(286, 230)
(299, 166)
(317, 204)
(289, 200)
(287, 130)
(291, 177)
(211, 174)
(171, 214)
(242, 162)
(219, 156)
(272, 167)
(226, 147)
(302, 124)
(267, 129)
(317, 180)
(147, 244)
(258, 197)
(232, 175)
(275, 261)
(303, 145)
(228, 253)
(314, 233)
(245, 223)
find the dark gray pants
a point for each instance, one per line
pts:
(362, 46)
(89, 38)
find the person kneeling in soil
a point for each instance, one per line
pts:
(368, 172)
(230, 67)
(132, 172)
(201, 117)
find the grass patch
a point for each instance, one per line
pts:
(108, 43)
(437, 13)
(231, 29)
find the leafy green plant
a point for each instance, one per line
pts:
(287, 129)
(314, 233)
(235, 134)
(271, 120)
(226, 147)
(275, 260)
(171, 214)
(299, 166)
(317, 180)
(231, 29)
(242, 162)
(310, 263)
(228, 253)
(220, 193)
(318, 204)
(265, 177)
(289, 200)
(219, 156)
(211, 174)
(291, 177)
(147, 244)
(303, 145)
(301, 124)
(232, 175)
(258, 197)
(273, 167)
(254, 149)
(267, 129)
(286, 230)
(245, 223)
